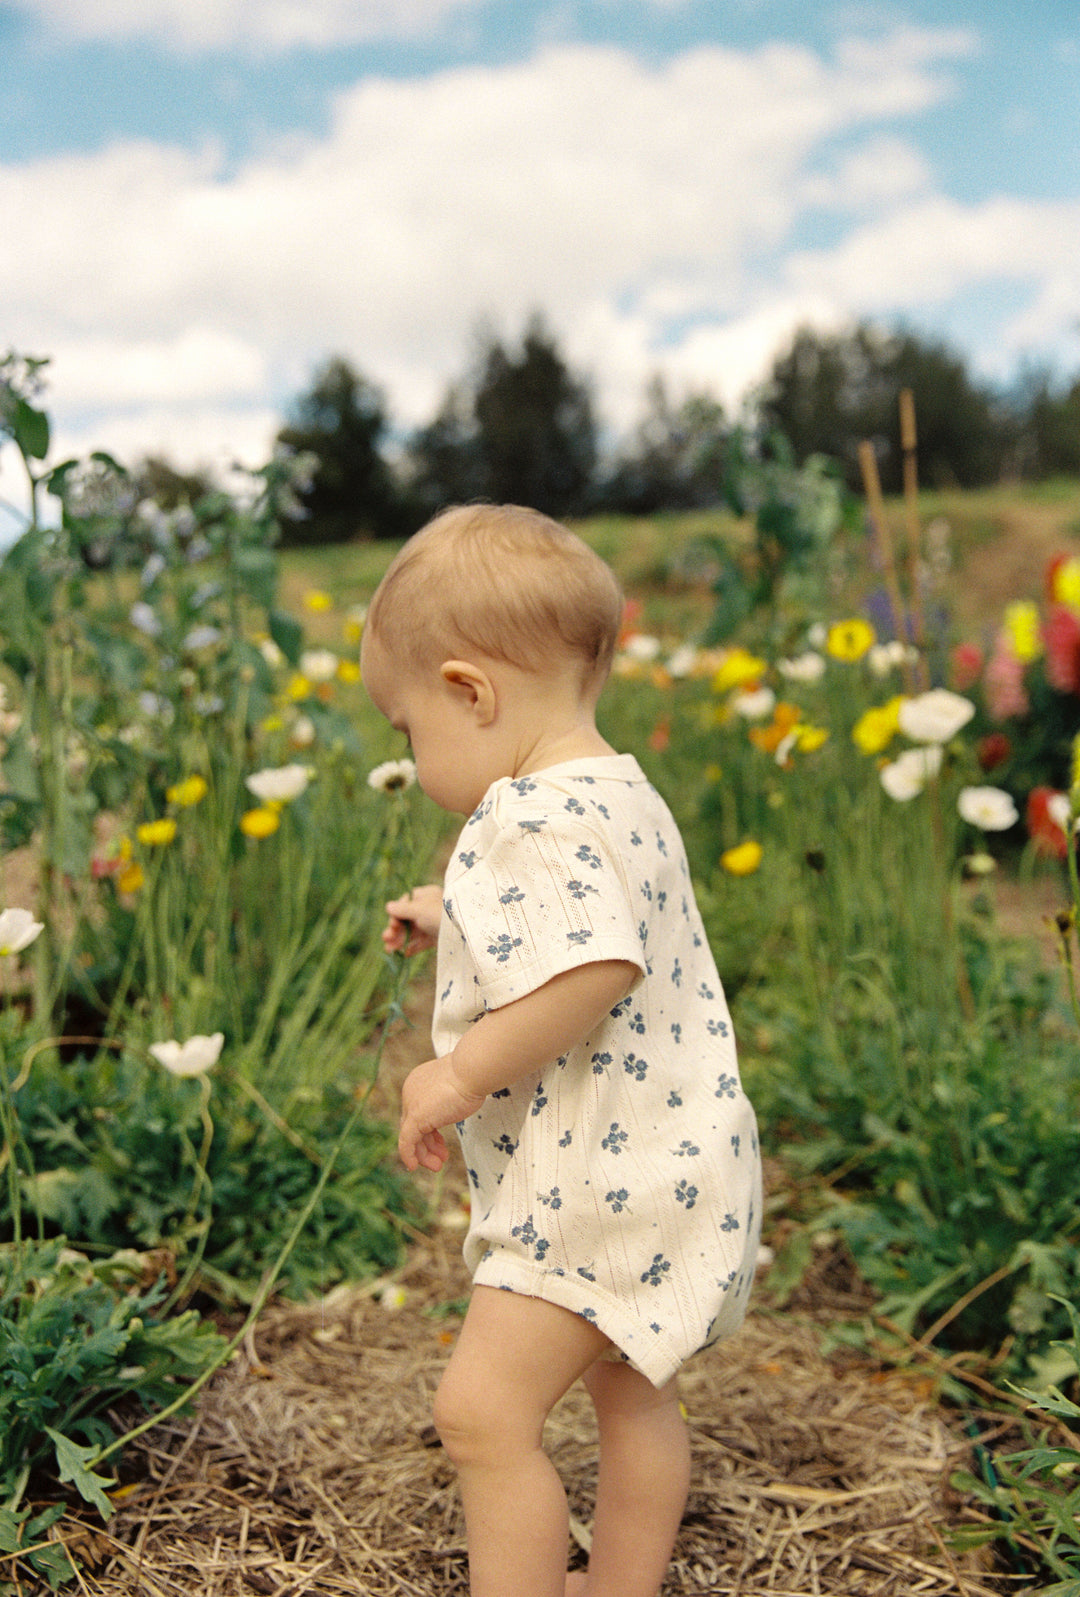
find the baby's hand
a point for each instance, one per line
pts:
(431, 1098)
(414, 921)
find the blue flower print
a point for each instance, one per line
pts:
(513, 895)
(638, 1023)
(676, 973)
(661, 901)
(674, 1099)
(686, 1150)
(621, 1007)
(615, 1139)
(635, 839)
(523, 785)
(657, 1269)
(717, 1028)
(532, 826)
(506, 1145)
(661, 845)
(447, 990)
(587, 1314)
(566, 1139)
(473, 1177)
(468, 858)
(551, 1199)
(604, 811)
(687, 1194)
(539, 1245)
(705, 991)
(586, 1275)
(676, 1031)
(479, 813)
(599, 1063)
(503, 947)
(589, 857)
(617, 1200)
(581, 937)
(638, 1068)
(730, 1223)
(503, 1092)
(726, 1087)
(646, 888)
(578, 889)
(735, 1145)
(574, 806)
(527, 1232)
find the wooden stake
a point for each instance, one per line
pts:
(908, 446)
(876, 507)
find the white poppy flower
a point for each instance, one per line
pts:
(640, 646)
(991, 809)
(806, 667)
(905, 777)
(754, 704)
(302, 733)
(191, 1058)
(18, 929)
(683, 661)
(1059, 810)
(271, 653)
(279, 784)
(883, 657)
(145, 618)
(319, 665)
(392, 776)
(935, 717)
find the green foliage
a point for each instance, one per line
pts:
(76, 1338)
(1034, 1494)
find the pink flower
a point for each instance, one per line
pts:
(1004, 682)
(1061, 634)
(966, 663)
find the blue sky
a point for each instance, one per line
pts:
(204, 198)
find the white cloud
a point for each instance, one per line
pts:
(270, 26)
(651, 213)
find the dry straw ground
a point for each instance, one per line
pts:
(310, 1465)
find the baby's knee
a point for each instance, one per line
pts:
(466, 1427)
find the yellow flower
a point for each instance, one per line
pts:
(348, 670)
(156, 833)
(315, 599)
(260, 822)
(742, 861)
(272, 723)
(713, 773)
(187, 792)
(124, 849)
(737, 668)
(809, 738)
(299, 688)
(352, 630)
(130, 878)
(876, 727)
(1065, 583)
(1022, 627)
(849, 640)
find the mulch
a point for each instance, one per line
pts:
(310, 1464)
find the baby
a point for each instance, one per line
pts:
(583, 1050)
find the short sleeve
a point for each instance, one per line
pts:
(548, 893)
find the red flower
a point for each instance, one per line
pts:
(631, 615)
(966, 662)
(1043, 829)
(993, 750)
(660, 736)
(1061, 634)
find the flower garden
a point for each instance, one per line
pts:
(202, 818)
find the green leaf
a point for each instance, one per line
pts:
(73, 1463)
(31, 431)
(288, 634)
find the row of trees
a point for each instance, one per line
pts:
(521, 426)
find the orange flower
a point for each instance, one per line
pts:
(769, 738)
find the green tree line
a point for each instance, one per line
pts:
(521, 425)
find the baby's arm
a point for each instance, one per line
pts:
(414, 920)
(503, 1045)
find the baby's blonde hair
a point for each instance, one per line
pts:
(506, 581)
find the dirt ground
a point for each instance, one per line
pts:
(310, 1463)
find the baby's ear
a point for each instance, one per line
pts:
(474, 684)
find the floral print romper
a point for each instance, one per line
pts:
(623, 1181)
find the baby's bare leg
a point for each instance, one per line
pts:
(643, 1483)
(514, 1359)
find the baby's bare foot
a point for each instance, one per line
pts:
(577, 1582)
